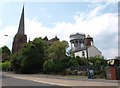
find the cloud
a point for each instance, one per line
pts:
(10, 30)
(0, 23)
(111, 52)
(87, 22)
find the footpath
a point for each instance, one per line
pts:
(63, 81)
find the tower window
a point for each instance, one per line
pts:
(83, 53)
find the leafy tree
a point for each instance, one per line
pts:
(72, 62)
(98, 61)
(16, 60)
(57, 50)
(30, 59)
(5, 53)
(56, 58)
(82, 60)
(55, 66)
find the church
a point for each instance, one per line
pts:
(21, 38)
(80, 44)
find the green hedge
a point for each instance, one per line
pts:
(6, 66)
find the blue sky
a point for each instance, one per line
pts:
(98, 19)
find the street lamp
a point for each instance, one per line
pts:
(8, 35)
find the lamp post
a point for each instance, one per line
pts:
(10, 37)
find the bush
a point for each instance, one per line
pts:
(6, 66)
(100, 74)
(72, 62)
(16, 60)
(66, 72)
(54, 66)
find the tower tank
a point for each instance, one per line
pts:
(77, 41)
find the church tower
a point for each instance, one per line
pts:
(20, 37)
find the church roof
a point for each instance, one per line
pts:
(45, 38)
(21, 23)
(54, 39)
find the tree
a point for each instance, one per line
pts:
(57, 50)
(72, 62)
(16, 60)
(56, 58)
(98, 61)
(82, 60)
(31, 57)
(5, 53)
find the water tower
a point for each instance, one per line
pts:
(77, 42)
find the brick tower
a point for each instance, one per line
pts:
(20, 37)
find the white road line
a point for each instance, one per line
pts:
(50, 83)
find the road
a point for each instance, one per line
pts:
(15, 80)
(10, 82)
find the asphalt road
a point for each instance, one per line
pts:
(9, 82)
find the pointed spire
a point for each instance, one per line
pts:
(21, 23)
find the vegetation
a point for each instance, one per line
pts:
(38, 56)
(98, 61)
(5, 51)
(31, 58)
(56, 57)
(5, 66)
(82, 60)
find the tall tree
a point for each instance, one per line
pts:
(57, 50)
(30, 59)
(56, 57)
(5, 53)
(98, 61)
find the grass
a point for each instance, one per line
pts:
(76, 77)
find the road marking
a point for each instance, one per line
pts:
(50, 83)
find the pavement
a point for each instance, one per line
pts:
(62, 81)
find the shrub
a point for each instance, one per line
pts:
(54, 66)
(100, 74)
(6, 66)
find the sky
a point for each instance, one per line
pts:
(95, 18)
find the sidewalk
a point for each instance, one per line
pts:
(62, 81)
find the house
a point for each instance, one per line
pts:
(83, 46)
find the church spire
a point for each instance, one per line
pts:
(20, 38)
(21, 23)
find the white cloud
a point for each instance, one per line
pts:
(0, 23)
(112, 53)
(10, 31)
(93, 25)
